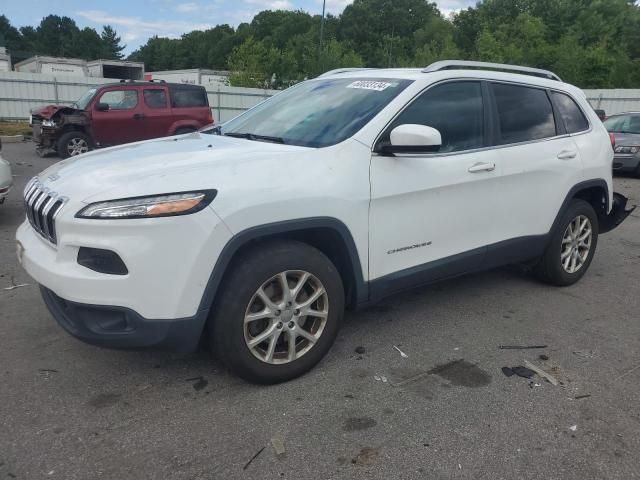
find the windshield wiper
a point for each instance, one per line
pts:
(255, 137)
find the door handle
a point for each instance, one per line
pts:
(138, 116)
(567, 155)
(482, 167)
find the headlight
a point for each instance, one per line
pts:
(48, 123)
(627, 149)
(167, 205)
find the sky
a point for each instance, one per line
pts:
(137, 20)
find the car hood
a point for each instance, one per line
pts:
(187, 162)
(48, 111)
(627, 138)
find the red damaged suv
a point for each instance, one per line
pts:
(118, 113)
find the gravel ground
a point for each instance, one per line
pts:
(72, 411)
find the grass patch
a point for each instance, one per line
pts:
(15, 128)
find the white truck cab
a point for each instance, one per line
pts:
(336, 192)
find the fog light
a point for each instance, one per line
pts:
(101, 261)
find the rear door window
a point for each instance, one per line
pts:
(573, 118)
(455, 109)
(155, 98)
(524, 114)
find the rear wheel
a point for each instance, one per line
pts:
(279, 312)
(571, 247)
(73, 143)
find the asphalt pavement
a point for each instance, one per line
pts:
(446, 411)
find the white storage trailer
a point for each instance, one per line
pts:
(5, 60)
(193, 76)
(120, 69)
(53, 66)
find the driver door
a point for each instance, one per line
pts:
(432, 215)
(122, 122)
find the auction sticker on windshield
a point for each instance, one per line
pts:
(370, 85)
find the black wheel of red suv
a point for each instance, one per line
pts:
(279, 312)
(571, 247)
(73, 143)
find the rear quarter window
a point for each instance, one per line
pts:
(524, 113)
(191, 97)
(573, 118)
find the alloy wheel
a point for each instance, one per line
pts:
(76, 146)
(576, 244)
(286, 317)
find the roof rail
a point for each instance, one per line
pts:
(341, 70)
(465, 64)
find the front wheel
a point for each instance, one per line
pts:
(571, 247)
(73, 143)
(279, 312)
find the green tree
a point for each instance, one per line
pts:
(111, 46)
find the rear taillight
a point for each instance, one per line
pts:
(612, 137)
(210, 117)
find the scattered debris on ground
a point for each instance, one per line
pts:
(519, 371)
(552, 380)
(278, 444)
(379, 378)
(402, 354)
(520, 347)
(543, 357)
(360, 350)
(573, 428)
(579, 397)
(20, 285)
(584, 354)
(253, 458)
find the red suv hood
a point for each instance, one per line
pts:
(47, 111)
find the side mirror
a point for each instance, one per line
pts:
(413, 138)
(102, 107)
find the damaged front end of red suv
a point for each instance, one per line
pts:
(51, 122)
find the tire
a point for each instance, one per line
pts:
(261, 268)
(73, 143)
(637, 172)
(183, 130)
(552, 267)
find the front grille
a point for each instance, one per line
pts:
(42, 205)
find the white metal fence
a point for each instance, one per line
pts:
(20, 92)
(615, 100)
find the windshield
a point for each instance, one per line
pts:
(316, 113)
(623, 124)
(84, 100)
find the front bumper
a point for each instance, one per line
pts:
(122, 328)
(626, 162)
(169, 261)
(6, 179)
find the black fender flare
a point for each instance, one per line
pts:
(289, 226)
(577, 188)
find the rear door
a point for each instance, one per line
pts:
(540, 163)
(158, 112)
(190, 105)
(124, 119)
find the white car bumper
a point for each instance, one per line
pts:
(169, 262)
(6, 179)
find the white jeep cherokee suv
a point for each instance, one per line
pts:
(336, 192)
